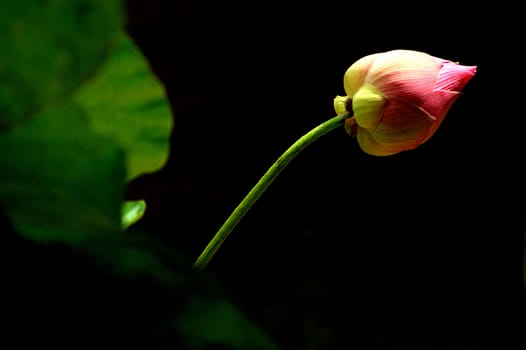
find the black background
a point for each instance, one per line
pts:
(421, 250)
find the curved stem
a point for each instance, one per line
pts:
(263, 184)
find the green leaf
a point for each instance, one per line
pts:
(127, 102)
(132, 211)
(58, 180)
(81, 112)
(48, 48)
(220, 323)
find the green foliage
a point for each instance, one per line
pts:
(132, 211)
(81, 114)
(126, 102)
(60, 181)
(48, 48)
(219, 322)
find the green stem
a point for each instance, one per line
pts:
(263, 184)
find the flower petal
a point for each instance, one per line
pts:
(439, 102)
(369, 145)
(454, 76)
(437, 105)
(367, 105)
(404, 75)
(403, 125)
(354, 76)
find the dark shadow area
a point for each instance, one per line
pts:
(422, 250)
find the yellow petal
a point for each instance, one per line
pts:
(355, 76)
(367, 105)
(370, 146)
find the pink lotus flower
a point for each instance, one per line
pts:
(399, 98)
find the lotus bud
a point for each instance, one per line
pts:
(399, 98)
